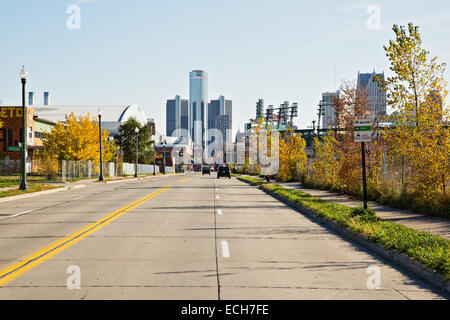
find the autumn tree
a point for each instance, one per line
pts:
(292, 156)
(325, 165)
(337, 158)
(417, 140)
(77, 139)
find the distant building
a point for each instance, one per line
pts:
(46, 98)
(11, 136)
(436, 103)
(177, 115)
(376, 97)
(31, 98)
(112, 116)
(198, 104)
(329, 115)
(220, 115)
(223, 124)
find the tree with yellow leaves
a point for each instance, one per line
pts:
(325, 164)
(78, 139)
(337, 158)
(292, 156)
(417, 139)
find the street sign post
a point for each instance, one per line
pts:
(14, 148)
(362, 130)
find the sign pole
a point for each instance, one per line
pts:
(363, 156)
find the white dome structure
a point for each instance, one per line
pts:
(112, 116)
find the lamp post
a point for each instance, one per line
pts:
(164, 156)
(100, 178)
(23, 183)
(154, 160)
(137, 150)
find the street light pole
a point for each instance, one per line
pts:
(164, 157)
(23, 150)
(137, 148)
(154, 160)
(100, 178)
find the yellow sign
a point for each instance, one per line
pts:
(10, 112)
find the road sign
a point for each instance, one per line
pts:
(363, 130)
(13, 148)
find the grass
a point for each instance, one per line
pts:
(14, 180)
(252, 180)
(393, 199)
(426, 248)
(31, 188)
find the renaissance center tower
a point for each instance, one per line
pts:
(198, 105)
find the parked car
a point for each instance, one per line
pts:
(206, 170)
(224, 172)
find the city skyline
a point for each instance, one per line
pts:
(149, 66)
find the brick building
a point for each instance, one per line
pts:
(11, 136)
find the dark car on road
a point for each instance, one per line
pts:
(206, 170)
(224, 172)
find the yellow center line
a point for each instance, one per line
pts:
(17, 269)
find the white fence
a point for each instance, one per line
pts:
(69, 170)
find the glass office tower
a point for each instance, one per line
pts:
(198, 105)
(220, 107)
(177, 115)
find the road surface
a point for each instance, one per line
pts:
(182, 237)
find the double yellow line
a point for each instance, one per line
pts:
(17, 269)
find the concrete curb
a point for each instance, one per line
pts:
(33, 194)
(439, 282)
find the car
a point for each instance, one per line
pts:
(206, 170)
(224, 172)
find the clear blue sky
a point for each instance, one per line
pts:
(141, 51)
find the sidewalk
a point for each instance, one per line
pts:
(418, 221)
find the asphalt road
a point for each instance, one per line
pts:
(182, 237)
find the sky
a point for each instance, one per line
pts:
(141, 51)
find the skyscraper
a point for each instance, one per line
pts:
(329, 116)
(198, 105)
(177, 115)
(376, 97)
(220, 108)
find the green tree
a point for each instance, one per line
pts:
(127, 142)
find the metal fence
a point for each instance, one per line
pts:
(70, 170)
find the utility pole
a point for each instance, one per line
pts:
(321, 112)
(294, 113)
